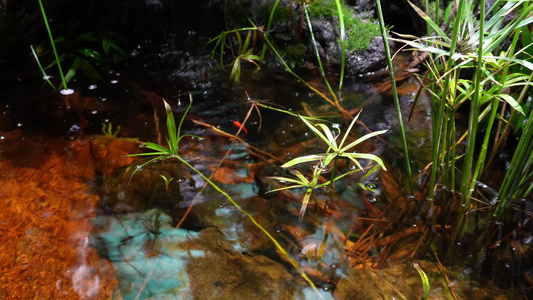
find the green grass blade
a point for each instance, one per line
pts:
(45, 77)
(331, 140)
(171, 128)
(287, 187)
(270, 18)
(156, 147)
(511, 101)
(347, 133)
(362, 139)
(53, 44)
(343, 41)
(425, 281)
(317, 54)
(395, 94)
(315, 130)
(467, 178)
(305, 202)
(369, 157)
(304, 159)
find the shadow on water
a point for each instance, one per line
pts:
(118, 234)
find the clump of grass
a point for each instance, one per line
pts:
(359, 32)
(501, 75)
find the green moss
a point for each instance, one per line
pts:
(295, 54)
(283, 13)
(359, 32)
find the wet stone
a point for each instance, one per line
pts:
(225, 274)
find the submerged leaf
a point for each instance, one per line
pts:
(305, 202)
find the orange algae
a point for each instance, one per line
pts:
(45, 187)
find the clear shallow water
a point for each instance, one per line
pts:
(129, 245)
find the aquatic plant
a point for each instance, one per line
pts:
(173, 141)
(244, 52)
(334, 152)
(167, 182)
(471, 47)
(107, 130)
(425, 281)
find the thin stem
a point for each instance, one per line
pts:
(467, 178)
(343, 41)
(438, 119)
(322, 73)
(395, 95)
(270, 18)
(53, 45)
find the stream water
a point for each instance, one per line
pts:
(77, 223)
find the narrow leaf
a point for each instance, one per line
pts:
(362, 139)
(304, 159)
(511, 101)
(305, 202)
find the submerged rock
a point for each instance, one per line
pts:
(403, 281)
(143, 248)
(223, 273)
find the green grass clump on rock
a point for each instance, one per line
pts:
(359, 32)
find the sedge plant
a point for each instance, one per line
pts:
(336, 150)
(475, 47)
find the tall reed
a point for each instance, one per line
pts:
(475, 44)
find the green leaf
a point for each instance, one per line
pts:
(314, 129)
(236, 70)
(171, 128)
(91, 53)
(362, 139)
(511, 101)
(368, 156)
(350, 128)
(305, 202)
(291, 180)
(425, 281)
(330, 158)
(156, 147)
(331, 139)
(72, 71)
(300, 176)
(304, 159)
(286, 188)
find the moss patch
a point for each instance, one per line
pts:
(359, 32)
